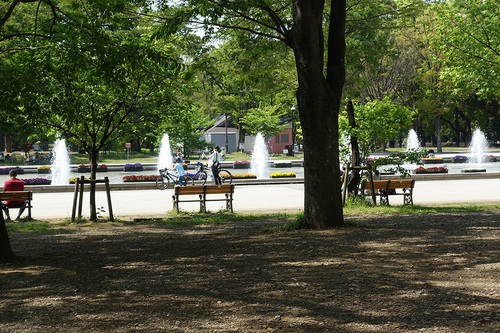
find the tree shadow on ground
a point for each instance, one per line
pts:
(397, 273)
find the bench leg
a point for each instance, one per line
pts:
(408, 199)
(175, 203)
(384, 200)
(203, 204)
(229, 202)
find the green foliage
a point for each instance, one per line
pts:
(299, 222)
(247, 76)
(413, 156)
(27, 227)
(356, 202)
(378, 122)
(417, 209)
(265, 119)
(469, 34)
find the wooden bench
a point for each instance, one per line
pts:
(385, 188)
(25, 196)
(406, 185)
(203, 191)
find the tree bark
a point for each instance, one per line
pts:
(94, 154)
(356, 158)
(438, 134)
(318, 101)
(6, 253)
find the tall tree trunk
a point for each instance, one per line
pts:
(319, 103)
(6, 253)
(356, 156)
(438, 134)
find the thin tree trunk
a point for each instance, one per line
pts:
(93, 173)
(356, 156)
(438, 134)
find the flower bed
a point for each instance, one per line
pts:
(490, 158)
(241, 165)
(83, 168)
(133, 167)
(472, 170)
(459, 159)
(432, 160)
(140, 178)
(36, 181)
(73, 180)
(421, 170)
(283, 164)
(283, 175)
(5, 171)
(102, 168)
(244, 176)
(44, 169)
(87, 167)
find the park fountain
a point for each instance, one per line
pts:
(60, 165)
(260, 157)
(412, 141)
(477, 148)
(165, 154)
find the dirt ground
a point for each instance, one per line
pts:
(433, 273)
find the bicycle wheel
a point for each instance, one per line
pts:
(200, 178)
(226, 177)
(162, 183)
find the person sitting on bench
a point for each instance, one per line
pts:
(13, 184)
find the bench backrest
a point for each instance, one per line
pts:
(204, 189)
(403, 183)
(16, 195)
(377, 185)
(186, 190)
(219, 189)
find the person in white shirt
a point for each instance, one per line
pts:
(216, 158)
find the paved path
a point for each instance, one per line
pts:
(255, 198)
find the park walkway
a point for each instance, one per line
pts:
(256, 198)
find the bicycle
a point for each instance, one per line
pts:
(201, 175)
(166, 177)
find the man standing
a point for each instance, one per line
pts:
(13, 184)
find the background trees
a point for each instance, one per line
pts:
(468, 33)
(91, 71)
(96, 79)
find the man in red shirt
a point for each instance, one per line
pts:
(13, 184)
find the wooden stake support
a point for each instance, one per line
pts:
(78, 196)
(345, 182)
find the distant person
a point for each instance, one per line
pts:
(13, 184)
(180, 155)
(215, 159)
(180, 170)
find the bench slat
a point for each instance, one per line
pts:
(377, 185)
(16, 195)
